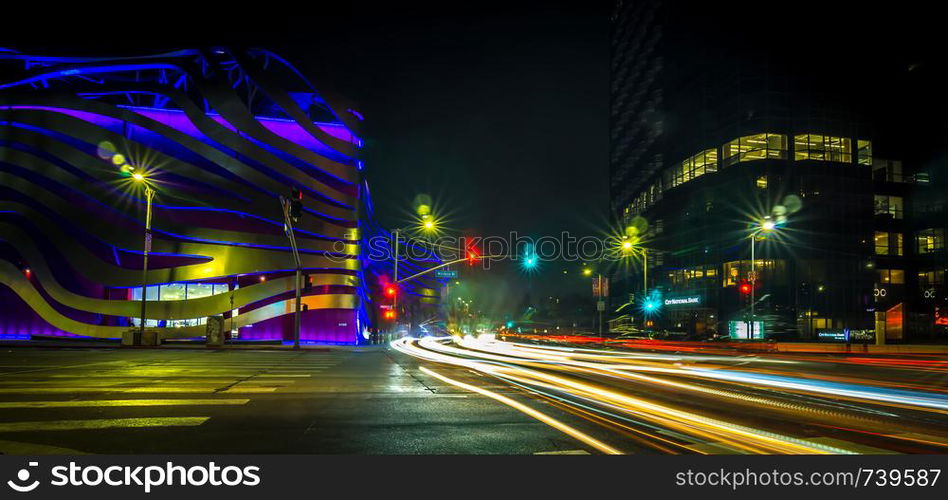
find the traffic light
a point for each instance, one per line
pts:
(308, 283)
(391, 290)
(389, 314)
(296, 204)
(472, 256)
(744, 288)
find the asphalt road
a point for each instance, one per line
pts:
(703, 399)
(444, 397)
(367, 400)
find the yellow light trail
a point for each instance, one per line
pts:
(737, 436)
(546, 419)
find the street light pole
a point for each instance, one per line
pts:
(767, 225)
(753, 279)
(645, 271)
(149, 196)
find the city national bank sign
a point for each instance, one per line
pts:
(683, 301)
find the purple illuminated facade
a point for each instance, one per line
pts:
(219, 135)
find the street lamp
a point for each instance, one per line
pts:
(428, 224)
(765, 226)
(149, 196)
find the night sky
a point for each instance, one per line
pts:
(501, 116)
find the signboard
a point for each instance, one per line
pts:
(148, 241)
(601, 305)
(740, 330)
(600, 286)
(833, 335)
(446, 273)
(683, 301)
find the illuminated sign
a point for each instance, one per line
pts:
(740, 330)
(678, 301)
(833, 335)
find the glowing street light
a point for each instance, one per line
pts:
(426, 222)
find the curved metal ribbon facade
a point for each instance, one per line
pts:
(221, 134)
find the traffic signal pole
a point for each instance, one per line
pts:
(395, 298)
(291, 235)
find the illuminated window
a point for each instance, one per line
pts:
(888, 205)
(864, 152)
(687, 275)
(755, 147)
(931, 278)
(822, 147)
(888, 243)
(762, 182)
(891, 276)
(696, 166)
(737, 270)
(177, 291)
(930, 240)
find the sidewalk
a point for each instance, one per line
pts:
(174, 344)
(791, 347)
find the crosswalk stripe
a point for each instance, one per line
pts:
(563, 452)
(102, 423)
(32, 390)
(123, 402)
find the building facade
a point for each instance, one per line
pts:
(219, 135)
(712, 135)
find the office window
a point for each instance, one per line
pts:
(822, 147)
(888, 205)
(931, 278)
(864, 152)
(755, 147)
(736, 271)
(684, 277)
(888, 243)
(891, 276)
(693, 167)
(930, 240)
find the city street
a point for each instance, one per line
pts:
(340, 401)
(469, 397)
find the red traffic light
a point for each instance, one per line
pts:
(391, 290)
(745, 288)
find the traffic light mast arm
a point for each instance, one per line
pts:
(446, 264)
